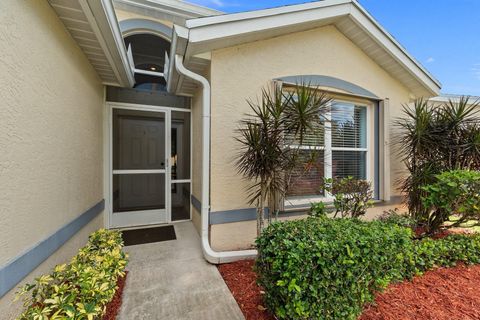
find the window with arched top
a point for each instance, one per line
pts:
(148, 52)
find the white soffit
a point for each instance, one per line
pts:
(94, 26)
(210, 33)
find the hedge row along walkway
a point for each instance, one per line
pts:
(441, 294)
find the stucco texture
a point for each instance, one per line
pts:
(10, 309)
(50, 128)
(239, 73)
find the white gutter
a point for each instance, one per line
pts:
(209, 254)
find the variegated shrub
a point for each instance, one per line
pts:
(81, 289)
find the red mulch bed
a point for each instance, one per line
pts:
(420, 231)
(241, 280)
(441, 294)
(114, 306)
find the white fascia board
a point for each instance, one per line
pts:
(214, 36)
(101, 17)
(365, 21)
(249, 15)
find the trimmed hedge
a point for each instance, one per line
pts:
(321, 268)
(446, 252)
(82, 288)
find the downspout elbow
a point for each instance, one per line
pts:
(210, 255)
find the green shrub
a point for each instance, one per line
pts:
(394, 217)
(434, 139)
(456, 193)
(318, 209)
(352, 197)
(82, 288)
(446, 252)
(321, 268)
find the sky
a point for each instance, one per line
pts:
(443, 35)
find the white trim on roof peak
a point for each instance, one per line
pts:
(247, 15)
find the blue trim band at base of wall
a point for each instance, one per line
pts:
(14, 271)
(196, 203)
(250, 214)
(230, 216)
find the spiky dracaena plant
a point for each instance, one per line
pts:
(264, 158)
(434, 139)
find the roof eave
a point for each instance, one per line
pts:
(211, 33)
(101, 31)
(106, 19)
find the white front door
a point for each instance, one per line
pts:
(139, 162)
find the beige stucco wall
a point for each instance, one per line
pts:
(239, 73)
(10, 309)
(50, 130)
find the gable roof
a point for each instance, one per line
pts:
(203, 35)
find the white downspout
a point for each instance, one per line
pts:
(209, 254)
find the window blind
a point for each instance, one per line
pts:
(349, 126)
(349, 164)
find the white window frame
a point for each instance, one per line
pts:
(299, 201)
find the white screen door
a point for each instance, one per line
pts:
(139, 168)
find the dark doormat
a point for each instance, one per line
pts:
(150, 235)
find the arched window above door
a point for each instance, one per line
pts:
(148, 52)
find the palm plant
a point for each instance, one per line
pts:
(433, 140)
(278, 121)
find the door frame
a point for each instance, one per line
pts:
(108, 159)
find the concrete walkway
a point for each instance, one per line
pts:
(171, 281)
